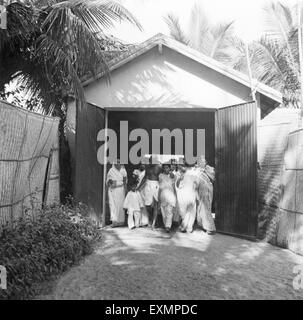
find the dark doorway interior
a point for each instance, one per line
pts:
(149, 120)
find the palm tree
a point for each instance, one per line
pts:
(50, 44)
(275, 58)
(213, 40)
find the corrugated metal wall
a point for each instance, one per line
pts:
(89, 173)
(236, 170)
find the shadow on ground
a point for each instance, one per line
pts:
(143, 264)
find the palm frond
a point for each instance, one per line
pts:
(221, 33)
(199, 30)
(51, 44)
(175, 29)
(279, 25)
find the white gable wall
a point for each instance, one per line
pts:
(166, 80)
(154, 80)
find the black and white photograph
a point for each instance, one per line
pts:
(151, 153)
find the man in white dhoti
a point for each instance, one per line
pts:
(167, 196)
(149, 189)
(116, 181)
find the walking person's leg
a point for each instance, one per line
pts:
(154, 213)
(191, 213)
(137, 218)
(169, 217)
(130, 220)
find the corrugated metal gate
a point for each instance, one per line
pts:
(236, 170)
(236, 166)
(89, 173)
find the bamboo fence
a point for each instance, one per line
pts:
(29, 162)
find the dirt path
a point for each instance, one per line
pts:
(142, 264)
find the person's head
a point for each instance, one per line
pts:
(181, 168)
(173, 165)
(117, 164)
(166, 168)
(132, 185)
(202, 162)
(188, 165)
(142, 166)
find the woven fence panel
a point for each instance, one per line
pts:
(275, 185)
(290, 230)
(27, 144)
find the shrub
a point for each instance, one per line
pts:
(34, 250)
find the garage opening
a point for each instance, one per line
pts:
(230, 147)
(149, 120)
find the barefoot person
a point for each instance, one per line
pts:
(167, 196)
(133, 203)
(186, 190)
(138, 175)
(205, 196)
(149, 189)
(116, 181)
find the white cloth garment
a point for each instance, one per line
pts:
(167, 198)
(150, 192)
(139, 174)
(205, 198)
(133, 203)
(186, 197)
(116, 195)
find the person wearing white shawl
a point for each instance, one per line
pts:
(167, 196)
(186, 186)
(116, 182)
(205, 196)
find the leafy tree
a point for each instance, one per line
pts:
(50, 44)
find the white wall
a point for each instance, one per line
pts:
(164, 81)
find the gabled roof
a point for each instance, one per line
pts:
(193, 54)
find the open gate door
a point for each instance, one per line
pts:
(236, 170)
(89, 172)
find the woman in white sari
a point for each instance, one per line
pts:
(205, 197)
(167, 196)
(186, 186)
(116, 181)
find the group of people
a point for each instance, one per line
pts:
(182, 193)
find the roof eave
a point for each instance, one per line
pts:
(194, 55)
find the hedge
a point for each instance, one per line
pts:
(35, 250)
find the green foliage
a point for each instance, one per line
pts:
(213, 40)
(50, 45)
(34, 250)
(274, 57)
